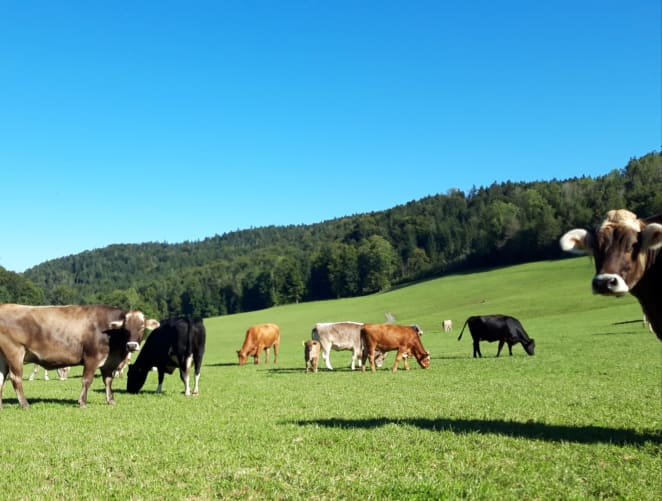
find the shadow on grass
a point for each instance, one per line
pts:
(515, 429)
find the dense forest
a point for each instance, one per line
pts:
(502, 224)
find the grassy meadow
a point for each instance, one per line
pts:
(581, 419)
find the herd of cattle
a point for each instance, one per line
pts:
(624, 248)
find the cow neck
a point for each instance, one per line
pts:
(649, 291)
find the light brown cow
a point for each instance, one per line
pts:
(96, 337)
(626, 252)
(385, 337)
(260, 337)
(311, 354)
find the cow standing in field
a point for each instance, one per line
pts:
(500, 328)
(311, 354)
(406, 339)
(178, 343)
(447, 325)
(338, 336)
(260, 337)
(96, 337)
(626, 252)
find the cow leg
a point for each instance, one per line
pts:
(477, 349)
(108, 383)
(266, 355)
(371, 355)
(4, 370)
(34, 372)
(354, 357)
(89, 368)
(197, 362)
(326, 355)
(16, 376)
(275, 353)
(161, 375)
(398, 357)
(510, 349)
(501, 342)
(184, 374)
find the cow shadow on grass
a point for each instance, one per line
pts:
(515, 429)
(9, 402)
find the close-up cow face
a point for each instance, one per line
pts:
(620, 247)
(135, 324)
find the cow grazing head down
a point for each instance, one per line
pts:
(625, 249)
(135, 324)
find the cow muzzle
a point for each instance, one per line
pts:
(132, 346)
(609, 284)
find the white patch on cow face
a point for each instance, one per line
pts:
(577, 241)
(610, 284)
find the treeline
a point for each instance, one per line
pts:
(502, 224)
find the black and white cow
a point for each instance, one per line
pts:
(500, 328)
(177, 343)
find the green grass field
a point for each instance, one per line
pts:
(580, 419)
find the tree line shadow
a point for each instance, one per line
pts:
(516, 429)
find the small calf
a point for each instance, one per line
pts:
(311, 353)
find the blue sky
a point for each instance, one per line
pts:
(129, 122)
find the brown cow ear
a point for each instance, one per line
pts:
(651, 237)
(117, 324)
(577, 241)
(152, 324)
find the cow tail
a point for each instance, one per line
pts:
(462, 331)
(189, 335)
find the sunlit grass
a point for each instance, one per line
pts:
(580, 419)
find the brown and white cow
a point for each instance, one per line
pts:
(260, 337)
(311, 354)
(96, 337)
(406, 339)
(625, 249)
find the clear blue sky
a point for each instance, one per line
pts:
(129, 122)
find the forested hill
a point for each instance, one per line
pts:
(245, 270)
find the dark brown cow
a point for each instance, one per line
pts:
(260, 337)
(625, 249)
(96, 337)
(405, 339)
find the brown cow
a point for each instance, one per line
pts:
(96, 337)
(260, 337)
(311, 354)
(625, 249)
(386, 337)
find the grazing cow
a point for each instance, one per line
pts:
(447, 325)
(311, 354)
(625, 249)
(338, 336)
(62, 373)
(386, 337)
(260, 337)
(178, 343)
(500, 328)
(96, 337)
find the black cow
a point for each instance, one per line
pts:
(500, 328)
(177, 343)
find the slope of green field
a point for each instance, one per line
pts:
(580, 419)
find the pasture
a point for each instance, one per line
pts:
(580, 419)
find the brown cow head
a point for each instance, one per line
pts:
(134, 322)
(620, 247)
(242, 357)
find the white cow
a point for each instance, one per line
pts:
(447, 325)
